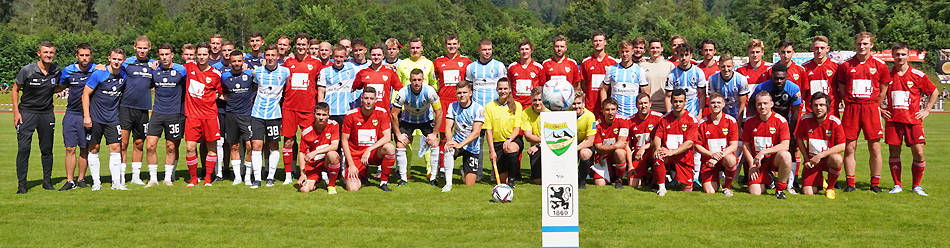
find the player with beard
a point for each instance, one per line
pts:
(168, 82)
(74, 134)
(594, 71)
(366, 136)
(611, 145)
(820, 138)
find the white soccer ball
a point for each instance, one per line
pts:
(502, 193)
(557, 95)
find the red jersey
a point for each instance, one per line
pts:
(365, 130)
(203, 88)
(311, 139)
(765, 134)
(819, 78)
(796, 74)
(300, 94)
(323, 64)
(709, 71)
(820, 136)
(862, 80)
(674, 131)
(565, 69)
(904, 94)
(449, 72)
(594, 73)
(716, 137)
(752, 74)
(524, 78)
(642, 130)
(610, 134)
(384, 80)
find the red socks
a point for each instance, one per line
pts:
(781, 186)
(875, 180)
(209, 167)
(895, 164)
(192, 168)
(730, 176)
(659, 171)
(850, 180)
(833, 175)
(619, 171)
(288, 158)
(387, 165)
(333, 174)
(918, 171)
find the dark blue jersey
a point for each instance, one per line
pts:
(254, 62)
(138, 94)
(169, 86)
(224, 69)
(784, 98)
(76, 80)
(241, 90)
(108, 90)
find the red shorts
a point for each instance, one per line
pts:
(683, 164)
(866, 117)
(373, 160)
(710, 174)
(764, 170)
(812, 176)
(641, 167)
(910, 134)
(201, 129)
(313, 169)
(290, 120)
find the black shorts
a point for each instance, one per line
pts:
(222, 123)
(238, 128)
(171, 125)
(508, 162)
(407, 128)
(535, 161)
(469, 161)
(112, 133)
(134, 120)
(266, 130)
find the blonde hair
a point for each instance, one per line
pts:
(755, 43)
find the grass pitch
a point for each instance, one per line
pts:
(418, 215)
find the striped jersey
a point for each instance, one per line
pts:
(484, 78)
(270, 87)
(625, 83)
(339, 85)
(731, 90)
(465, 118)
(690, 80)
(417, 108)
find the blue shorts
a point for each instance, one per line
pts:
(74, 134)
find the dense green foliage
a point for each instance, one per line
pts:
(731, 23)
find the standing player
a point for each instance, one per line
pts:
(283, 46)
(392, 52)
(100, 103)
(824, 137)
(378, 76)
(216, 42)
(255, 58)
(525, 73)
(188, 53)
(74, 134)
(819, 75)
(594, 71)
(642, 127)
(611, 145)
(224, 66)
(586, 132)
(756, 66)
(795, 72)
(765, 140)
(709, 65)
(300, 95)
(318, 145)
(240, 90)
(463, 118)
(359, 54)
(862, 82)
(416, 61)
(201, 117)
(450, 69)
(657, 71)
(675, 138)
(266, 115)
(639, 48)
(624, 82)
(689, 78)
(560, 66)
(136, 102)
(416, 104)
(335, 84)
(718, 142)
(503, 129)
(168, 82)
(732, 86)
(903, 121)
(226, 48)
(484, 74)
(370, 144)
(38, 83)
(531, 125)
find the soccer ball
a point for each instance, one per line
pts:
(502, 193)
(557, 95)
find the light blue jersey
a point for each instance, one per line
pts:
(269, 90)
(338, 85)
(692, 80)
(484, 78)
(465, 119)
(625, 83)
(416, 108)
(731, 90)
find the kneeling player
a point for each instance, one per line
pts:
(366, 136)
(461, 119)
(611, 145)
(765, 139)
(674, 141)
(640, 158)
(585, 139)
(718, 142)
(531, 126)
(318, 150)
(824, 137)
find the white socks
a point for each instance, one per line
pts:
(449, 164)
(236, 165)
(272, 162)
(248, 171)
(217, 165)
(402, 162)
(434, 162)
(169, 172)
(114, 163)
(136, 170)
(152, 172)
(93, 161)
(257, 164)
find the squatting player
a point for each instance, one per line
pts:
(765, 140)
(674, 140)
(462, 119)
(718, 142)
(640, 159)
(820, 137)
(586, 132)
(611, 145)
(531, 126)
(318, 145)
(366, 136)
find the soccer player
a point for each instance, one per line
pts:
(283, 46)
(335, 84)
(226, 48)
(359, 54)
(819, 75)
(531, 125)
(266, 115)
(525, 73)
(594, 71)
(300, 94)
(463, 118)
(168, 82)
(188, 53)
(642, 129)
(821, 135)
(201, 119)
(216, 43)
(450, 69)
(416, 60)
(639, 48)
(503, 129)
(74, 134)
(560, 66)
(689, 78)
(135, 104)
(675, 41)
(756, 66)
(611, 145)
(240, 90)
(318, 145)
(326, 54)
(346, 43)
(765, 140)
(718, 142)
(314, 49)
(657, 71)
(412, 110)
(624, 81)
(255, 58)
(370, 144)
(904, 117)
(733, 86)
(675, 138)
(709, 65)
(378, 76)
(862, 82)
(787, 100)
(586, 132)
(100, 103)
(795, 72)
(392, 52)
(484, 74)
(36, 114)
(224, 66)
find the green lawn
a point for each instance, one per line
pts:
(419, 215)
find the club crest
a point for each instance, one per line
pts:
(558, 137)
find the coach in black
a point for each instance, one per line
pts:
(34, 112)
